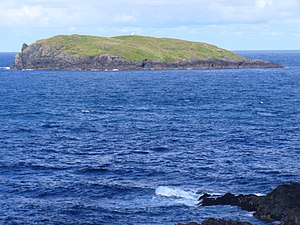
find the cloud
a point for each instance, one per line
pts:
(32, 12)
(261, 4)
(142, 13)
(124, 18)
(205, 20)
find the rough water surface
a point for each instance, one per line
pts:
(139, 147)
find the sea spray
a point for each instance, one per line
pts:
(5, 68)
(179, 195)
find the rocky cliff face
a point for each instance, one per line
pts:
(39, 56)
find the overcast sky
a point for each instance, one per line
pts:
(231, 24)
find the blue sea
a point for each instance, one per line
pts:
(139, 147)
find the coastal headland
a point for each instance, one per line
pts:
(84, 52)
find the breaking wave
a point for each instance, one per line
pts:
(5, 68)
(179, 195)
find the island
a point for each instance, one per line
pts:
(131, 52)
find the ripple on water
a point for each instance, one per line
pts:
(139, 147)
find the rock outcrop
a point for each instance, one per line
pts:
(246, 202)
(44, 56)
(282, 204)
(24, 46)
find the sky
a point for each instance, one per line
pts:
(230, 24)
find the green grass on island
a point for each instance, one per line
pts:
(138, 48)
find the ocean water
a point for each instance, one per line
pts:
(139, 147)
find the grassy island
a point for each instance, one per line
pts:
(86, 52)
(135, 47)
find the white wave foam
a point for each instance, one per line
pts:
(180, 196)
(175, 192)
(259, 194)
(5, 68)
(265, 114)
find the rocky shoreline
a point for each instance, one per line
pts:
(39, 57)
(282, 204)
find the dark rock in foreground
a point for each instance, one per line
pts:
(246, 202)
(212, 221)
(282, 204)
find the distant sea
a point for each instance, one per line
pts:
(139, 147)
